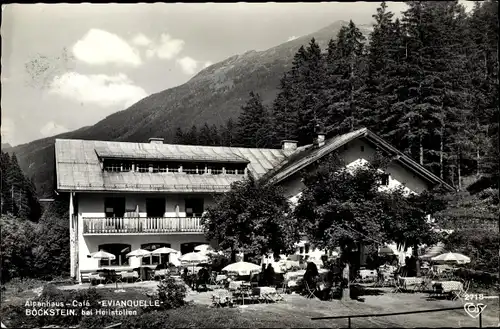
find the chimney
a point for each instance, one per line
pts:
(155, 140)
(289, 145)
(320, 139)
(320, 136)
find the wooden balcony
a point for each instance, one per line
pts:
(136, 225)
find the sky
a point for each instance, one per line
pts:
(65, 66)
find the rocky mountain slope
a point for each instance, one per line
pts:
(214, 95)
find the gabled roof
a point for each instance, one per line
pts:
(309, 154)
(78, 166)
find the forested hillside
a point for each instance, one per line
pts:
(428, 83)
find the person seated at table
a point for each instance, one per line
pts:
(311, 277)
(269, 276)
(202, 278)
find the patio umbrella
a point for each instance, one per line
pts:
(102, 255)
(202, 247)
(138, 253)
(451, 257)
(193, 258)
(242, 268)
(164, 251)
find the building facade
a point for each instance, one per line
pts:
(125, 196)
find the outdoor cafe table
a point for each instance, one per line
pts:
(235, 285)
(406, 282)
(448, 286)
(264, 291)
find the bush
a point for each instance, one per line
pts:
(478, 278)
(16, 247)
(23, 284)
(480, 245)
(171, 294)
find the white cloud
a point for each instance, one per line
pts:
(167, 48)
(188, 65)
(100, 47)
(52, 129)
(7, 129)
(207, 64)
(98, 89)
(141, 40)
(291, 38)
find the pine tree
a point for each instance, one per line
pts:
(215, 136)
(376, 96)
(344, 79)
(313, 109)
(287, 106)
(205, 137)
(253, 124)
(228, 133)
(179, 136)
(285, 118)
(192, 137)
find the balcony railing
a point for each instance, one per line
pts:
(119, 225)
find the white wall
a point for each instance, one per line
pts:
(92, 204)
(90, 244)
(353, 156)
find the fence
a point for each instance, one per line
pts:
(349, 317)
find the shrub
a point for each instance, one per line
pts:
(480, 245)
(171, 294)
(16, 247)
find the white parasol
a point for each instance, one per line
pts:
(242, 268)
(102, 255)
(193, 258)
(451, 257)
(138, 253)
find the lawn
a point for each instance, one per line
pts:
(297, 311)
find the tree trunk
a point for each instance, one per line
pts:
(441, 150)
(421, 147)
(478, 159)
(417, 261)
(352, 96)
(346, 290)
(459, 171)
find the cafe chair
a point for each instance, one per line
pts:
(310, 292)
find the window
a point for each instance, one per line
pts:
(155, 207)
(384, 180)
(362, 148)
(189, 169)
(307, 248)
(154, 259)
(189, 247)
(194, 207)
(216, 170)
(142, 167)
(114, 207)
(301, 250)
(112, 166)
(119, 250)
(126, 166)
